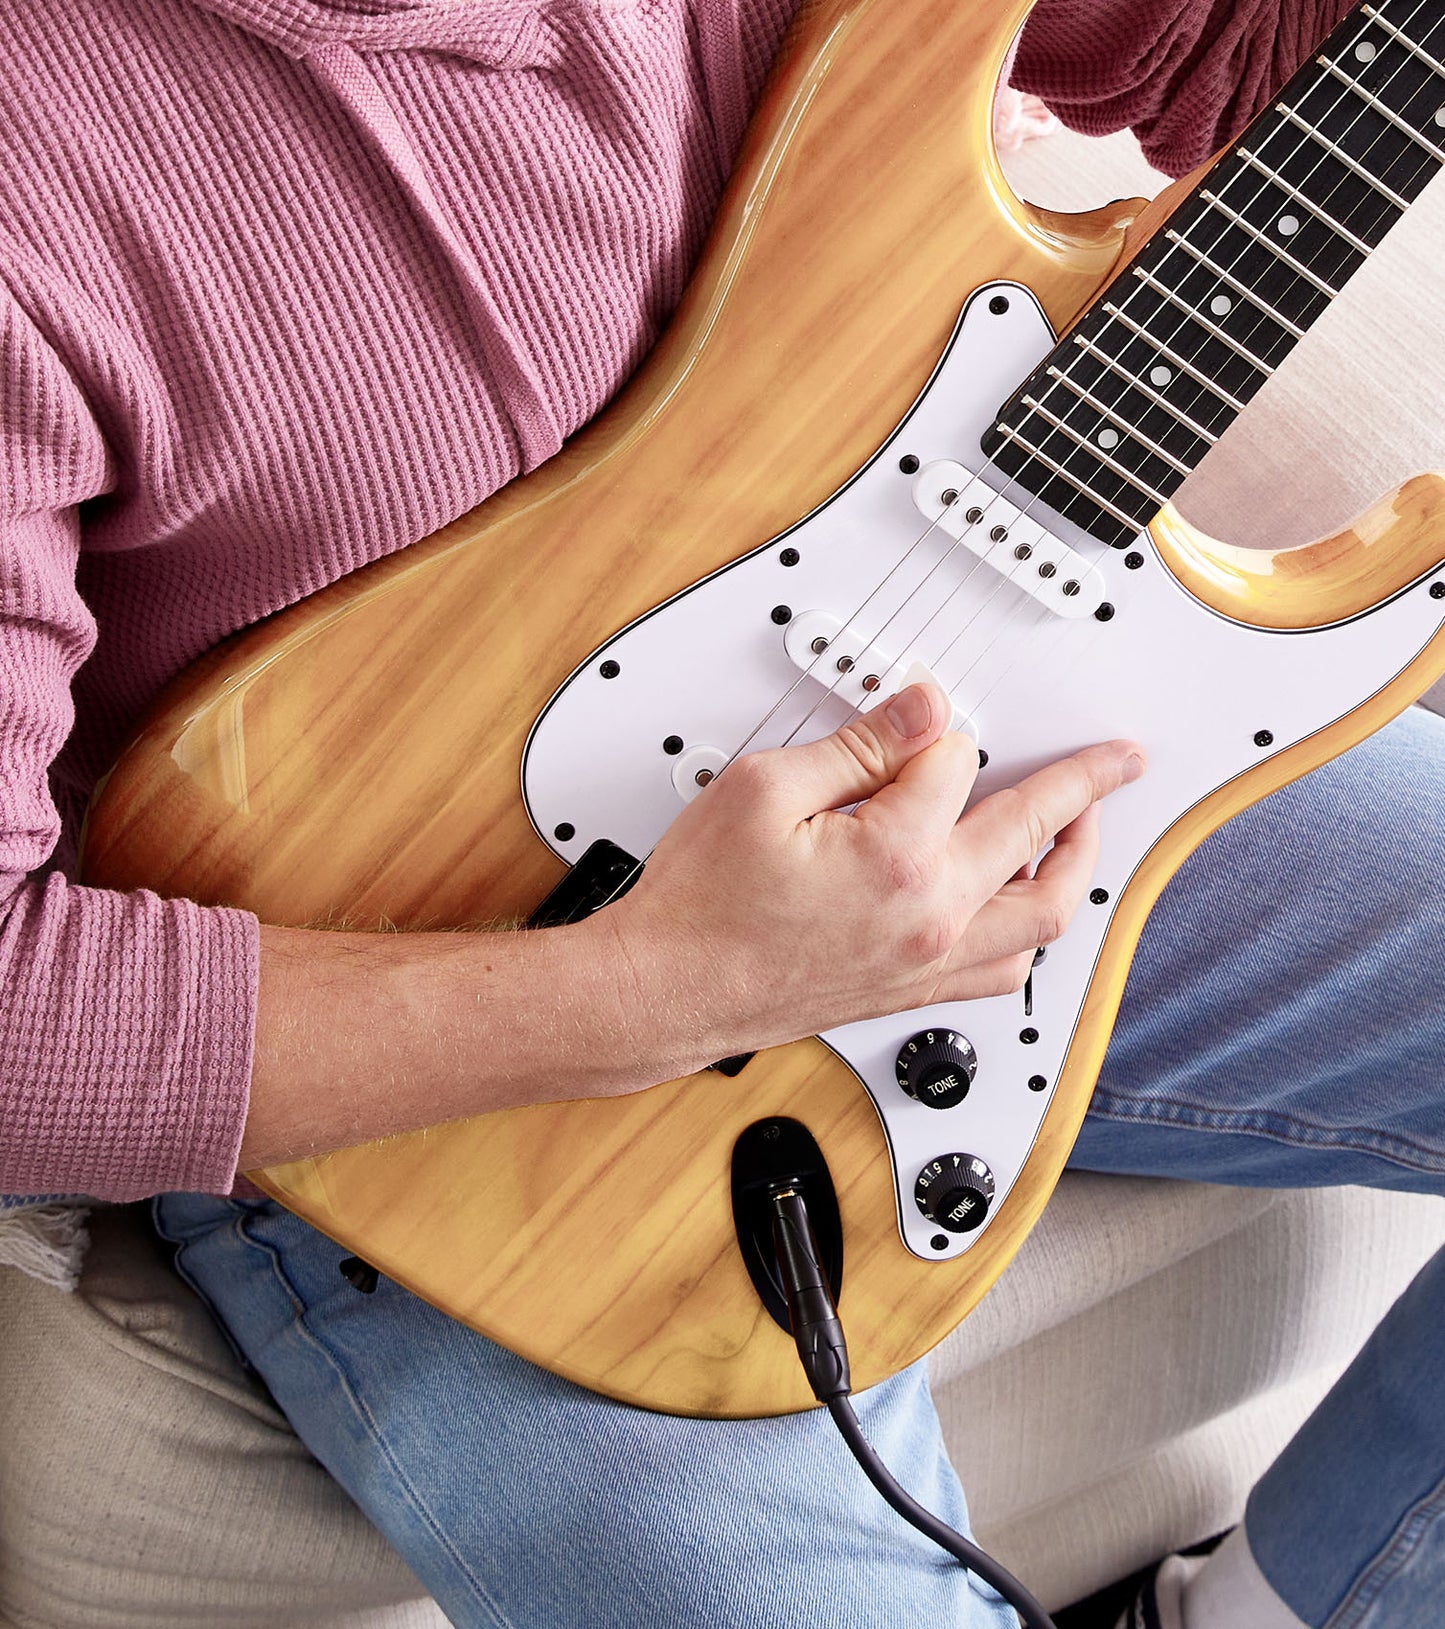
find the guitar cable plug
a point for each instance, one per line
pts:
(823, 1351)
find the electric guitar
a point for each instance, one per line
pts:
(826, 478)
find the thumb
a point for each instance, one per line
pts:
(866, 755)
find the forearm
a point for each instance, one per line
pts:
(362, 1035)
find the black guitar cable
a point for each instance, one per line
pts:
(824, 1353)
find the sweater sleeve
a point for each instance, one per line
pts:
(1186, 75)
(126, 1021)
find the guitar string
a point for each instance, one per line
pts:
(1258, 320)
(830, 689)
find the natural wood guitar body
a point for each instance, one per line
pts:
(356, 759)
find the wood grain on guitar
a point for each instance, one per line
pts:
(358, 757)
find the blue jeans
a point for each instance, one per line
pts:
(1284, 1025)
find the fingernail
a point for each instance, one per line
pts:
(910, 711)
(1133, 767)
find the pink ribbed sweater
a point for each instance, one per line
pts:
(288, 285)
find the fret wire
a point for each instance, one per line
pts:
(1219, 334)
(1094, 452)
(1133, 430)
(1146, 390)
(1344, 158)
(1215, 202)
(1386, 113)
(1252, 295)
(1299, 197)
(1404, 39)
(1103, 503)
(1174, 357)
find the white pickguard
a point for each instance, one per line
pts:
(1192, 686)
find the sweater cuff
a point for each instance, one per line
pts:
(126, 1046)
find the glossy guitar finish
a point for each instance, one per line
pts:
(358, 759)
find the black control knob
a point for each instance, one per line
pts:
(955, 1190)
(937, 1067)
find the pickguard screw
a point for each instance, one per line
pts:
(1437, 591)
(610, 669)
(1133, 560)
(998, 304)
(818, 646)
(672, 745)
(1098, 896)
(789, 557)
(703, 776)
(973, 516)
(781, 614)
(983, 757)
(565, 832)
(1264, 738)
(1104, 613)
(939, 1241)
(1028, 1036)
(1037, 1083)
(908, 464)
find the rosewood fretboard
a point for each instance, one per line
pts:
(1127, 405)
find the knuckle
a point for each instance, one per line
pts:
(1026, 814)
(928, 942)
(860, 744)
(1053, 918)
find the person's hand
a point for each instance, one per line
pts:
(766, 913)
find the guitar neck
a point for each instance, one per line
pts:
(1156, 370)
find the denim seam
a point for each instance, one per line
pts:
(1389, 1562)
(1290, 1130)
(335, 1361)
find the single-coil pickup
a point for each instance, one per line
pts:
(843, 662)
(1002, 536)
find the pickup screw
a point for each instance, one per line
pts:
(1133, 560)
(610, 669)
(1104, 612)
(565, 832)
(781, 614)
(1264, 738)
(672, 745)
(703, 776)
(908, 464)
(789, 557)
(818, 646)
